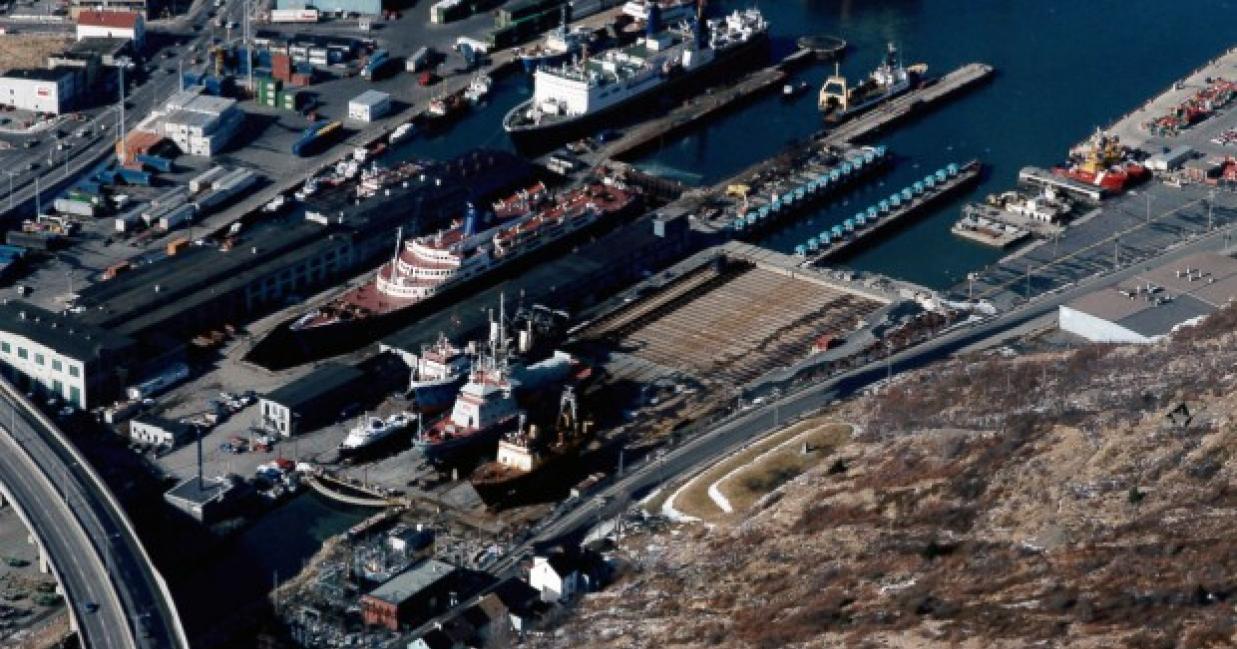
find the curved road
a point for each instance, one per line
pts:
(117, 598)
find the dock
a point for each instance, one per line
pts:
(896, 209)
(697, 109)
(912, 103)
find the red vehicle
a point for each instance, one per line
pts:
(427, 79)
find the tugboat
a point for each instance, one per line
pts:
(840, 102)
(441, 370)
(527, 460)
(371, 434)
(446, 108)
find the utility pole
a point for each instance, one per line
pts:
(11, 173)
(1116, 252)
(1028, 280)
(1211, 200)
(38, 200)
(121, 132)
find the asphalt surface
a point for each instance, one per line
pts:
(112, 589)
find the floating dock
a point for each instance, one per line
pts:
(823, 46)
(910, 104)
(895, 209)
(770, 196)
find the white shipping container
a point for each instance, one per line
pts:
(204, 179)
(160, 382)
(176, 218)
(233, 175)
(294, 16)
(240, 184)
(70, 206)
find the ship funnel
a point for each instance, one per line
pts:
(525, 341)
(654, 20)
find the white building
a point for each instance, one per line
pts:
(201, 125)
(39, 90)
(60, 357)
(369, 106)
(1154, 303)
(556, 577)
(112, 24)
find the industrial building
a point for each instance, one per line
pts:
(369, 106)
(51, 91)
(1154, 303)
(128, 25)
(201, 125)
(207, 286)
(77, 7)
(420, 592)
(64, 358)
(311, 401)
(207, 500)
(363, 7)
(90, 56)
(1171, 159)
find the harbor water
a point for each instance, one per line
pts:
(272, 550)
(1063, 68)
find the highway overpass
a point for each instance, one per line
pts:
(116, 597)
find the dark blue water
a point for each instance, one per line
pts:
(1064, 68)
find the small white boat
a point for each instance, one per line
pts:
(478, 88)
(401, 133)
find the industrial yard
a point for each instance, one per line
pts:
(379, 320)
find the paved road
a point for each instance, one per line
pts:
(706, 448)
(116, 596)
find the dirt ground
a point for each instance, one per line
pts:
(29, 50)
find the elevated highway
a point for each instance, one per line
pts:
(116, 597)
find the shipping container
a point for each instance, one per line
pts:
(116, 269)
(158, 163)
(419, 60)
(133, 176)
(177, 245)
(129, 221)
(204, 180)
(294, 15)
(32, 240)
(178, 217)
(70, 206)
(167, 378)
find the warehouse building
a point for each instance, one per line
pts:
(77, 7)
(63, 358)
(363, 7)
(208, 500)
(420, 592)
(201, 125)
(312, 401)
(369, 106)
(112, 24)
(1154, 303)
(287, 257)
(51, 91)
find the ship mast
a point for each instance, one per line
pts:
(399, 237)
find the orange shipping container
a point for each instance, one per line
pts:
(115, 269)
(177, 245)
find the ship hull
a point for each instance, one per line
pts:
(433, 398)
(837, 117)
(461, 449)
(547, 136)
(378, 447)
(343, 336)
(555, 474)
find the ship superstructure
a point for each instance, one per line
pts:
(570, 93)
(840, 101)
